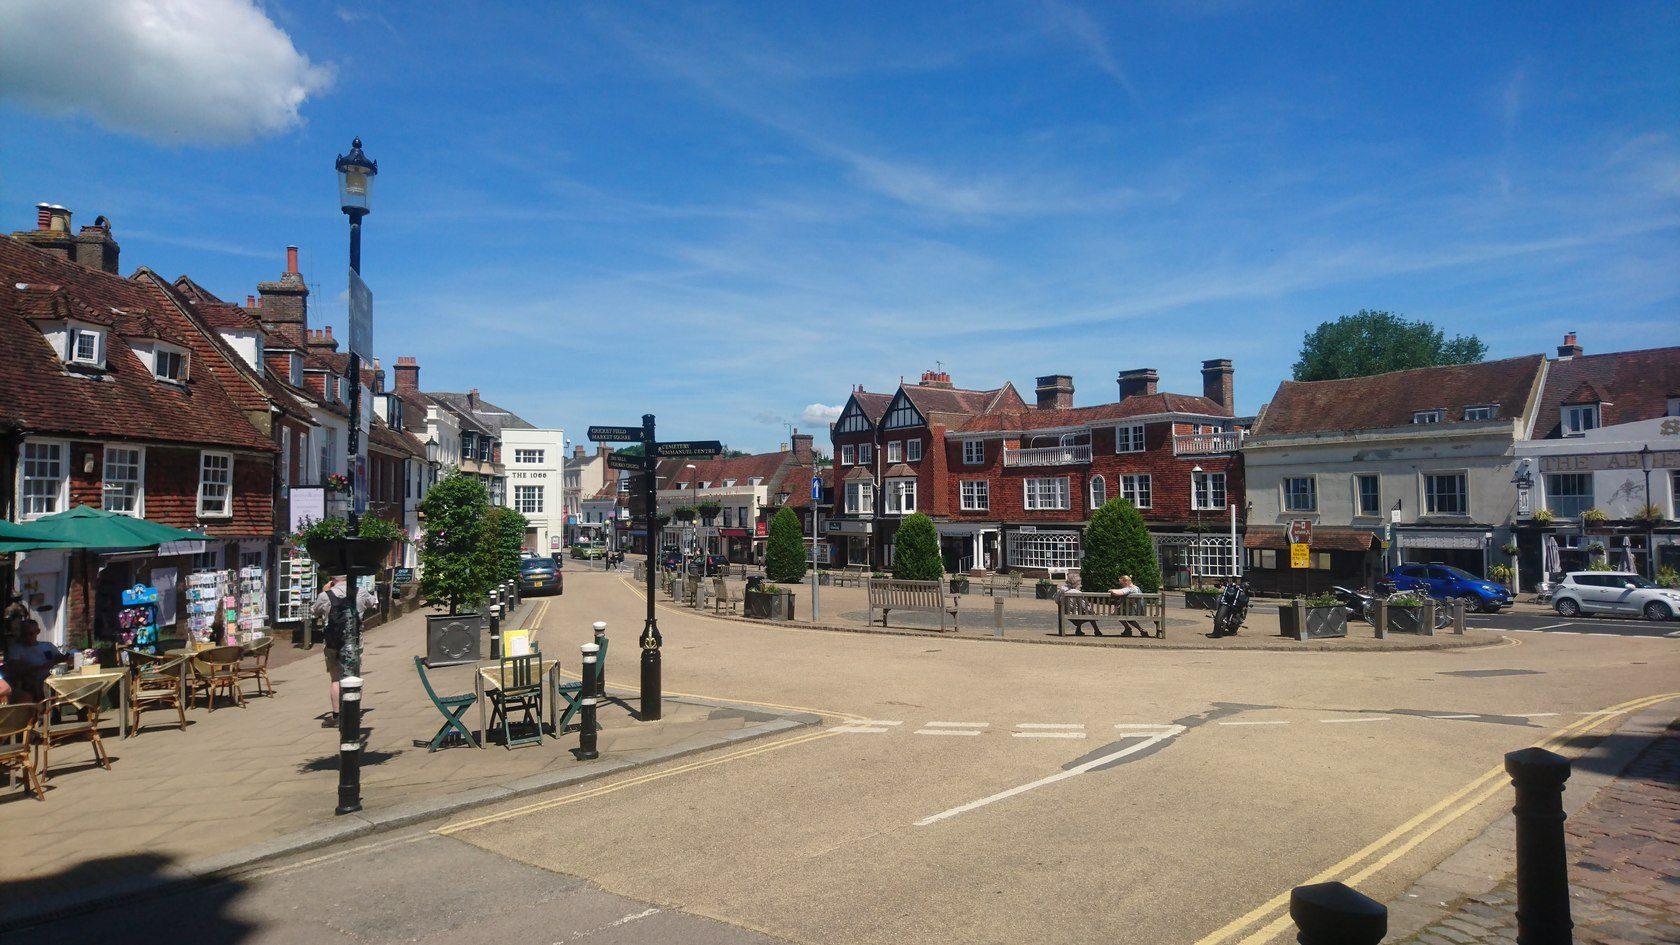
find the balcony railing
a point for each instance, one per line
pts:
(1196, 444)
(1048, 456)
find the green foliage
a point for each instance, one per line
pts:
(1542, 516)
(1668, 577)
(709, 509)
(1509, 549)
(1378, 342)
(784, 552)
(1595, 516)
(1649, 514)
(332, 529)
(1599, 564)
(1322, 600)
(916, 550)
(455, 569)
(504, 537)
(1407, 599)
(1501, 573)
(1116, 543)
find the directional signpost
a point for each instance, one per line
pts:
(816, 499)
(652, 452)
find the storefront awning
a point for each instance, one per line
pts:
(1441, 538)
(733, 532)
(1323, 539)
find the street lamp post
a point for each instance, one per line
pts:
(1645, 463)
(355, 183)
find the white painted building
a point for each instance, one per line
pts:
(534, 459)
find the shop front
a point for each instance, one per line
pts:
(1042, 550)
(850, 539)
(737, 545)
(1468, 549)
(969, 546)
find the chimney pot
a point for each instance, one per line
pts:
(291, 259)
(43, 216)
(250, 301)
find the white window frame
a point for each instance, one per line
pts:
(1358, 509)
(139, 480)
(60, 497)
(528, 456)
(901, 496)
(1426, 416)
(860, 497)
(1098, 489)
(912, 451)
(1481, 412)
(1129, 438)
(975, 495)
(866, 453)
(848, 454)
(1549, 480)
(895, 451)
(1138, 489)
(1426, 499)
(183, 363)
(1045, 494)
(974, 452)
(1047, 550)
(72, 350)
(1290, 499)
(1203, 482)
(1577, 419)
(204, 458)
(528, 499)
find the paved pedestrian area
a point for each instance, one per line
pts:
(1624, 866)
(243, 776)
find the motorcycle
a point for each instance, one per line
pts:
(1232, 610)
(1360, 604)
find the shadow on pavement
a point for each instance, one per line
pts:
(149, 902)
(1606, 754)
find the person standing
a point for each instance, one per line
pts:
(333, 606)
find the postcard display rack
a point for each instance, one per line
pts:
(137, 619)
(208, 605)
(253, 599)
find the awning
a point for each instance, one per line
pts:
(733, 532)
(1323, 539)
(1459, 538)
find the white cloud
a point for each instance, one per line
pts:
(172, 71)
(820, 414)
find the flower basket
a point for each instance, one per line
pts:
(350, 556)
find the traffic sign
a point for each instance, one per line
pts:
(620, 461)
(1300, 531)
(691, 449)
(1300, 556)
(616, 434)
(816, 488)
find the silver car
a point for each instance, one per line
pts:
(1614, 592)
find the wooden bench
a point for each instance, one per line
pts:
(999, 583)
(1080, 608)
(853, 574)
(722, 599)
(926, 597)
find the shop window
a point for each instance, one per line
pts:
(1051, 551)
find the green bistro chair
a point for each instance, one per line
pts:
(520, 689)
(452, 708)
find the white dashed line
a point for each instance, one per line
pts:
(1048, 734)
(874, 722)
(1278, 722)
(1351, 721)
(1052, 725)
(860, 729)
(949, 731)
(956, 725)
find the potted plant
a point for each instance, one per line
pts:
(709, 509)
(1541, 517)
(1594, 516)
(1509, 549)
(1321, 615)
(1668, 577)
(1202, 596)
(1648, 515)
(337, 482)
(1405, 612)
(1596, 549)
(959, 584)
(1501, 573)
(1045, 589)
(336, 550)
(768, 602)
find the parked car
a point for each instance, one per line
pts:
(1614, 592)
(540, 575)
(1444, 582)
(707, 565)
(588, 552)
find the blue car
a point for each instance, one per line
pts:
(1444, 582)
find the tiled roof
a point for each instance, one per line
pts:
(401, 443)
(797, 484)
(1632, 385)
(215, 312)
(873, 405)
(253, 390)
(954, 406)
(1139, 405)
(491, 417)
(125, 401)
(1387, 401)
(742, 469)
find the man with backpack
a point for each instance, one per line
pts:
(333, 605)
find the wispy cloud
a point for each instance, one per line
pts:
(1079, 26)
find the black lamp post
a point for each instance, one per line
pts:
(1645, 463)
(355, 183)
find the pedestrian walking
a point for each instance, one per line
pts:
(333, 605)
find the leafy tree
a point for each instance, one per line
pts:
(1378, 342)
(1116, 543)
(455, 569)
(634, 449)
(504, 538)
(916, 550)
(784, 554)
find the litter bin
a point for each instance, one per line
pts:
(755, 582)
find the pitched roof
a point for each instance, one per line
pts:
(253, 389)
(124, 401)
(799, 479)
(1388, 401)
(873, 405)
(953, 406)
(491, 418)
(400, 442)
(1138, 405)
(742, 469)
(1631, 385)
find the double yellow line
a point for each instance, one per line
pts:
(1450, 809)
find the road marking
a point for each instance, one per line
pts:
(1531, 715)
(1277, 722)
(1147, 740)
(1338, 870)
(876, 722)
(1674, 634)
(956, 725)
(1569, 633)
(1051, 725)
(949, 731)
(1150, 727)
(1553, 626)
(860, 729)
(1350, 721)
(625, 920)
(1048, 734)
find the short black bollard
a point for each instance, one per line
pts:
(600, 667)
(586, 726)
(1335, 914)
(1542, 860)
(495, 631)
(349, 744)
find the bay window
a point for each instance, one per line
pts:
(860, 498)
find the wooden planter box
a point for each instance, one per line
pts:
(1044, 591)
(1319, 622)
(1201, 600)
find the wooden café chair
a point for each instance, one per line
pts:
(84, 705)
(217, 670)
(17, 744)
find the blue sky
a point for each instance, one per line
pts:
(729, 214)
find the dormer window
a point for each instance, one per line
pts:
(86, 346)
(728, 483)
(1579, 418)
(1426, 416)
(169, 364)
(295, 373)
(1481, 412)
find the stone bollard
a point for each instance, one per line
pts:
(1300, 619)
(495, 631)
(1458, 617)
(586, 726)
(1381, 622)
(1542, 859)
(997, 616)
(1427, 627)
(1334, 914)
(600, 668)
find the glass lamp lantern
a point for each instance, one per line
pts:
(355, 180)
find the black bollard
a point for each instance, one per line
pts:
(586, 728)
(349, 741)
(1335, 914)
(600, 667)
(1542, 860)
(495, 631)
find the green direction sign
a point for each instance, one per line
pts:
(616, 434)
(692, 449)
(632, 463)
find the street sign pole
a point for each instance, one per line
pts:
(652, 698)
(816, 498)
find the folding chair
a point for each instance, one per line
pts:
(452, 708)
(521, 688)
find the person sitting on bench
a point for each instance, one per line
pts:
(1074, 608)
(1125, 590)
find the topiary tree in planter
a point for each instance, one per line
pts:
(456, 570)
(916, 550)
(1116, 543)
(784, 553)
(504, 538)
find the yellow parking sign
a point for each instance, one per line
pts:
(1300, 555)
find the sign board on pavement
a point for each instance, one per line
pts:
(361, 318)
(616, 434)
(1300, 555)
(632, 463)
(690, 449)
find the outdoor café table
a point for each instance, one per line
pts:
(489, 678)
(71, 681)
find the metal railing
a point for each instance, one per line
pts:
(1196, 444)
(1048, 456)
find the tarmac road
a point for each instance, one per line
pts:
(979, 791)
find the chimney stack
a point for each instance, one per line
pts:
(43, 216)
(472, 399)
(283, 306)
(250, 301)
(1217, 382)
(1055, 392)
(51, 233)
(1569, 349)
(95, 248)
(938, 379)
(407, 376)
(291, 259)
(1138, 381)
(802, 454)
(577, 454)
